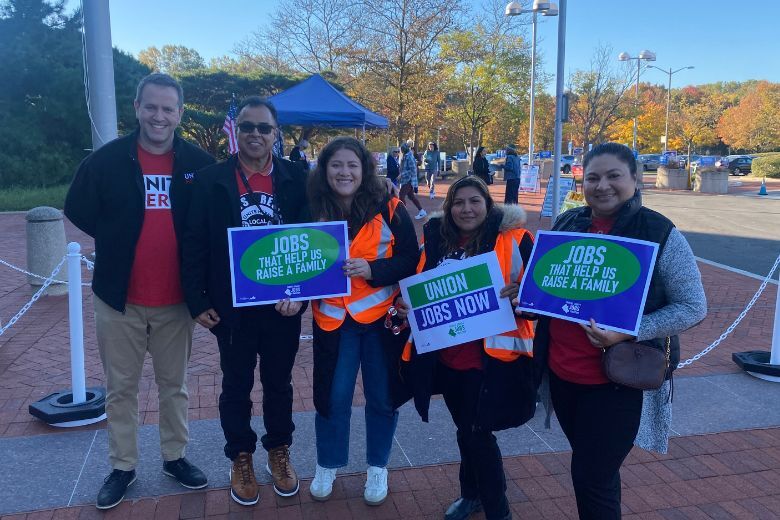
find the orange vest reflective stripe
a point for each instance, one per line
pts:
(365, 304)
(519, 341)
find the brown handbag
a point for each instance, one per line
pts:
(636, 365)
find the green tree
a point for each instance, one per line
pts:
(171, 59)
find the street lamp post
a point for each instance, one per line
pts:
(643, 55)
(670, 72)
(547, 9)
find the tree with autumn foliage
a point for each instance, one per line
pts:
(754, 124)
(484, 65)
(694, 117)
(651, 120)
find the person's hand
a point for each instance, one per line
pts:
(208, 318)
(391, 188)
(510, 291)
(357, 267)
(402, 308)
(287, 308)
(523, 314)
(602, 338)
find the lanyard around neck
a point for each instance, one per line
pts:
(255, 197)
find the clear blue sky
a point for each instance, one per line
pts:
(713, 35)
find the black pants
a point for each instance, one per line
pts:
(512, 186)
(601, 423)
(481, 467)
(264, 332)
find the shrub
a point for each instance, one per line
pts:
(766, 165)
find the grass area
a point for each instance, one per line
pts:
(23, 199)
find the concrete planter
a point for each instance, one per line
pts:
(671, 179)
(712, 182)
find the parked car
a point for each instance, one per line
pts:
(650, 161)
(736, 164)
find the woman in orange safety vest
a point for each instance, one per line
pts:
(488, 384)
(349, 331)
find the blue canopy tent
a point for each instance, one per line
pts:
(315, 102)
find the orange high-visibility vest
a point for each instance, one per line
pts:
(365, 304)
(515, 343)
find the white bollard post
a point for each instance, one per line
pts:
(76, 324)
(774, 358)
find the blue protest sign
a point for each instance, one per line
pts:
(706, 160)
(579, 276)
(545, 154)
(295, 261)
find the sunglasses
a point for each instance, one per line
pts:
(263, 128)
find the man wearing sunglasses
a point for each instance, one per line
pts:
(251, 188)
(131, 196)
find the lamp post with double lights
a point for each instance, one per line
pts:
(515, 8)
(670, 72)
(643, 55)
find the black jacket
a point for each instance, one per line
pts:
(508, 395)
(393, 169)
(633, 221)
(384, 272)
(106, 201)
(482, 168)
(214, 209)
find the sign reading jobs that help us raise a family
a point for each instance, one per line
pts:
(457, 302)
(579, 276)
(295, 261)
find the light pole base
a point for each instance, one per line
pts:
(756, 363)
(57, 409)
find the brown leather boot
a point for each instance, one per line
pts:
(243, 485)
(280, 468)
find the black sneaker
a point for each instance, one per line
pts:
(114, 487)
(185, 473)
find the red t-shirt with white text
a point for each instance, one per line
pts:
(154, 279)
(572, 357)
(252, 213)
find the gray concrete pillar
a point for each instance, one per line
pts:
(46, 247)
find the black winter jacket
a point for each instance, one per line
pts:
(214, 209)
(384, 272)
(106, 201)
(633, 221)
(508, 395)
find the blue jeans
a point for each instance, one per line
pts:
(360, 346)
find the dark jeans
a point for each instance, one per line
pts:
(264, 332)
(481, 467)
(512, 186)
(601, 423)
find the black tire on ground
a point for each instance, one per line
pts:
(644, 167)
(566, 169)
(735, 171)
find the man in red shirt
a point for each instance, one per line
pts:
(250, 188)
(132, 196)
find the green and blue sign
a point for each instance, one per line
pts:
(295, 261)
(457, 302)
(579, 276)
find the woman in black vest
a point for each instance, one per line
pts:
(601, 419)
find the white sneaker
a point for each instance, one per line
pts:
(421, 214)
(376, 486)
(322, 485)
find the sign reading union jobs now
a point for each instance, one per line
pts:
(457, 302)
(579, 276)
(295, 261)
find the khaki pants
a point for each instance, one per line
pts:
(123, 340)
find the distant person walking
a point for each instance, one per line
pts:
(408, 180)
(481, 167)
(511, 176)
(432, 165)
(393, 169)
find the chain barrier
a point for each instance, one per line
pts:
(736, 322)
(48, 281)
(90, 266)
